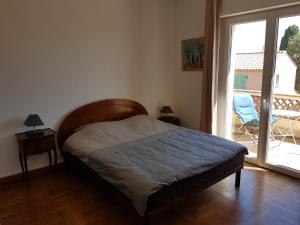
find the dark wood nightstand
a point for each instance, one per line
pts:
(170, 119)
(35, 145)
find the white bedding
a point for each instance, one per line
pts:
(95, 136)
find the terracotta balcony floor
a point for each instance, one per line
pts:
(281, 153)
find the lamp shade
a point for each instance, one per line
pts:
(166, 109)
(33, 120)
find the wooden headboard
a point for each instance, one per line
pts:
(105, 110)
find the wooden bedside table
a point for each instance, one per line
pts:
(35, 145)
(170, 119)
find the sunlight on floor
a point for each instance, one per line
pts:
(255, 168)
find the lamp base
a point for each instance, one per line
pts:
(34, 133)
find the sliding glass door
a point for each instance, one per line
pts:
(284, 149)
(246, 73)
(259, 86)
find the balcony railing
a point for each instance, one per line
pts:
(280, 101)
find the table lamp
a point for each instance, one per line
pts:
(166, 110)
(33, 120)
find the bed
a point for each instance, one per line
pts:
(148, 162)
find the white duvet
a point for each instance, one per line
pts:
(95, 136)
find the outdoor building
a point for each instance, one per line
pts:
(249, 72)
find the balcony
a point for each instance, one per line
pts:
(284, 143)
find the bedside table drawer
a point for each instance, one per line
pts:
(39, 145)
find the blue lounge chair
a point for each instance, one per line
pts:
(243, 107)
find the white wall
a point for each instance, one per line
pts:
(230, 7)
(190, 23)
(57, 55)
(286, 69)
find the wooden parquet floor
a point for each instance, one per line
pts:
(265, 198)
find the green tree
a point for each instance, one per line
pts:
(297, 81)
(288, 34)
(294, 52)
(293, 48)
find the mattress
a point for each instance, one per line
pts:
(141, 156)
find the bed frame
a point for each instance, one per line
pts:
(117, 109)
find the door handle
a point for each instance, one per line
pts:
(264, 104)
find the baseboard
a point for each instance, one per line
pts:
(32, 173)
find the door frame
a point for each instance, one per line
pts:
(225, 82)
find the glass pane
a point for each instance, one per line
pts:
(284, 149)
(246, 71)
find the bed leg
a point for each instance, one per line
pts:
(145, 220)
(67, 165)
(238, 179)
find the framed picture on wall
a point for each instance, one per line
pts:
(192, 54)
